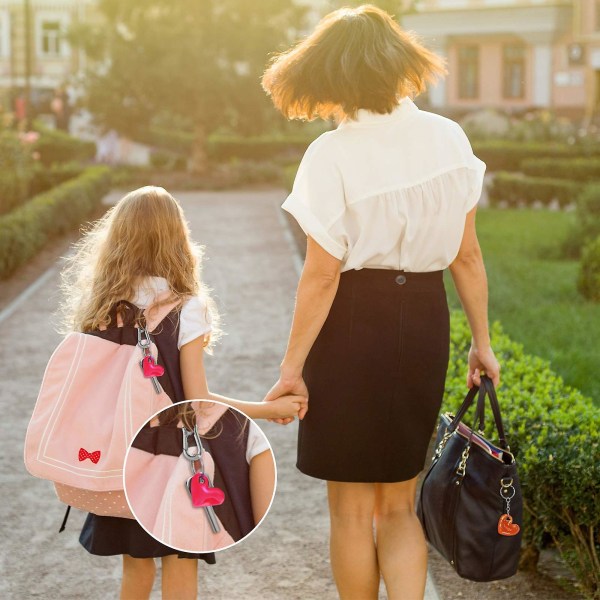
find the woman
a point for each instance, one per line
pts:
(388, 201)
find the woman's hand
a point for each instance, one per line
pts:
(289, 385)
(482, 359)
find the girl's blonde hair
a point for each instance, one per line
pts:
(144, 234)
(356, 58)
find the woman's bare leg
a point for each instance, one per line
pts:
(138, 578)
(352, 543)
(401, 545)
(179, 578)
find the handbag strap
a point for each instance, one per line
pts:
(486, 388)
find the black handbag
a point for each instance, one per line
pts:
(470, 505)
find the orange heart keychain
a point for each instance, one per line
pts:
(505, 522)
(506, 525)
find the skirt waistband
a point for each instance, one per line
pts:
(405, 280)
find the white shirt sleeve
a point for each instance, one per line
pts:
(317, 198)
(194, 320)
(475, 169)
(257, 441)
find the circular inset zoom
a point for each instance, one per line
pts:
(199, 476)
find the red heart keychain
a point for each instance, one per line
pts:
(506, 525)
(150, 368)
(203, 494)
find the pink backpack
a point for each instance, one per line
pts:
(94, 396)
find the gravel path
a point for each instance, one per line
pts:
(253, 269)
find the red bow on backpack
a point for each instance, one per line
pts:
(93, 456)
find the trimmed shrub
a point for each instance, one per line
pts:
(25, 230)
(587, 224)
(554, 433)
(46, 178)
(55, 146)
(16, 171)
(588, 281)
(506, 155)
(516, 189)
(225, 147)
(222, 148)
(576, 169)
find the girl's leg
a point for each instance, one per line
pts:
(352, 543)
(179, 578)
(138, 578)
(401, 545)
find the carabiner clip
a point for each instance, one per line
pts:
(146, 342)
(197, 456)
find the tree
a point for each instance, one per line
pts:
(198, 60)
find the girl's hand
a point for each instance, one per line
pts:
(285, 408)
(482, 360)
(289, 385)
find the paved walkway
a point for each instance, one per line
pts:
(252, 268)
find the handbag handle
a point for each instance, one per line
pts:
(486, 388)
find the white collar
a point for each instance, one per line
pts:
(405, 107)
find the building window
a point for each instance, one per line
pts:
(4, 34)
(50, 38)
(513, 85)
(468, 72)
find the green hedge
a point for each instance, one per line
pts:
(226, 147)
(554, 432)
(588, 281)
(576, 169)
(45, 178)
(587, 221)
(506, 155)
(56, 146)
(222, 148)
(25, 230)
(516, 189)
(16, 171)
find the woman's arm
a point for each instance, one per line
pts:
(316, 290)
(470, 279)
(262, 483)
(195, 387)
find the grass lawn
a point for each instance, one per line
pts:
(533, 294)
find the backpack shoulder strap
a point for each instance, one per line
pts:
(155, 314)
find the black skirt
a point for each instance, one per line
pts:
(375, 377)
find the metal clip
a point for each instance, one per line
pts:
(145, 342)
(197, 456)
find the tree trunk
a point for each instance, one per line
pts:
(199, 158)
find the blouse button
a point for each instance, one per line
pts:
(401, 279)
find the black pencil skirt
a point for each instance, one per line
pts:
(375, 377)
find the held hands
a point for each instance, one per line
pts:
(482, 360)
(285, 408)
(289, 387)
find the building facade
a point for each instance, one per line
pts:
(514, 55)
(38, 28)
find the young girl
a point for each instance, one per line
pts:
(139, 250)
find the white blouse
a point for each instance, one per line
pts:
(388, 191)
(194, 318)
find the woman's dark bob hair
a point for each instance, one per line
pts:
(355, 58)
